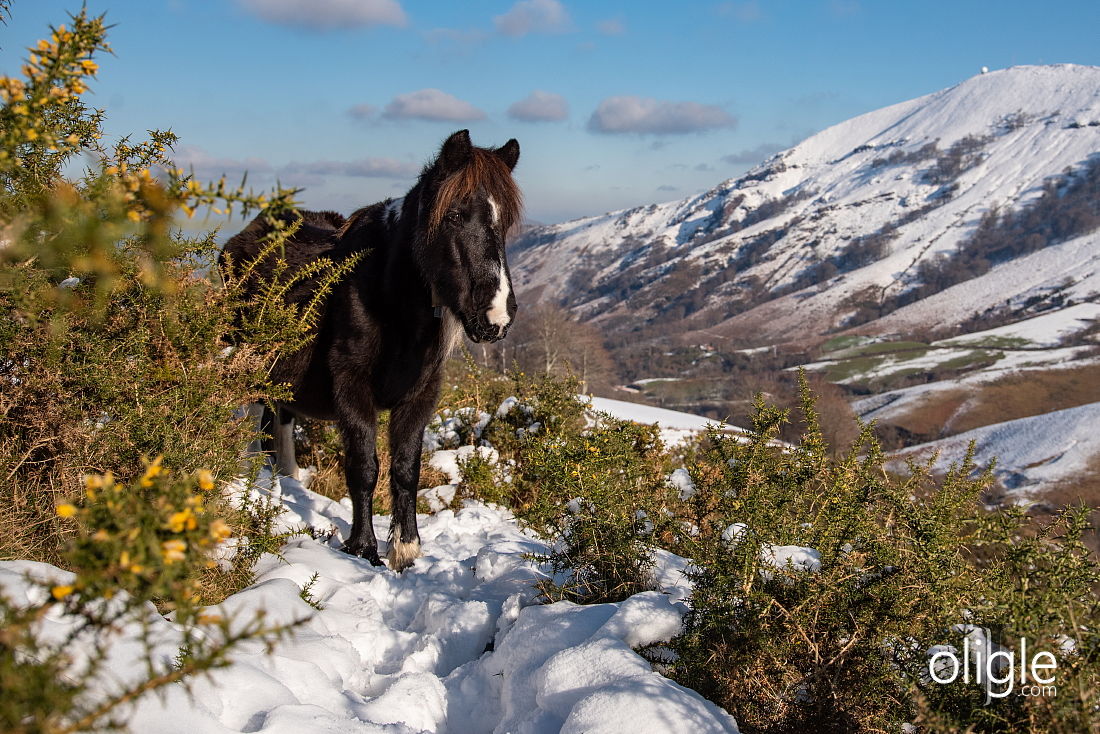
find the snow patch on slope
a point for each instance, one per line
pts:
(1032, 454)
(676, 427)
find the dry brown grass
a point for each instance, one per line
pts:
(1083, 489)
(932, 416)
(1032, 393)
(322, 450)
(1020, 395)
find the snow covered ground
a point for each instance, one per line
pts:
(675, 426)
(1045, 330)
(983, 363)
(1032, 454)
(456, 643)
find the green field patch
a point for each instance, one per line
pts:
(845, 341)
(684, 391)
(848, 369)
(908, 348)
(989, 342)
(972, 360)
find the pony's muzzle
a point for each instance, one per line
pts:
(483, 330)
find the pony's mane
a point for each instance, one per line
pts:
(484, 170)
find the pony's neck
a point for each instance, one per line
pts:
(404, 284)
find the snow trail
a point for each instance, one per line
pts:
(456, 643)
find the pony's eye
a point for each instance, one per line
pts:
(453, 217)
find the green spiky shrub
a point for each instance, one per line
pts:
(602, 498)
(592, 484)
(839, 640)
(119, 350)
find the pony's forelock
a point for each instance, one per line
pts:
(484, 170)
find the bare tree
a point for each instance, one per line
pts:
(547, 338)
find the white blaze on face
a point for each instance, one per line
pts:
(498, 309)
(494, 211)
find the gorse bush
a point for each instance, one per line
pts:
(815, 578)
(823, 585)
(113, 343)
(603, 496)
(122, 363)
(149, 540)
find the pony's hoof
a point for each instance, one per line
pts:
(402, 555)
(365, 552)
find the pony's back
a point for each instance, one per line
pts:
(314, 238)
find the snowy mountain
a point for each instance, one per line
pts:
(860, 225)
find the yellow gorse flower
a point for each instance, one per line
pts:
(206, 480)
(151, 471)
(219, 530)
(184, 519)
(173, 550)
(92, 484)
(66, 510)
(61, 591)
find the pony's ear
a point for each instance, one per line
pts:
(456, 151)
(509, 153)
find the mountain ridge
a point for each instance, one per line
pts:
(790, 250)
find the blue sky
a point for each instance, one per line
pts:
(615, 104)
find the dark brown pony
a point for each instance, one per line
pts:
(433, 266)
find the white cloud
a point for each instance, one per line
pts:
(754, 155)
(431, 104)
(363, 168)
(533, 16)
(611, 27)
(207, 166)
(328, 14)
(540, 106)
(643, 115)
(361, 111)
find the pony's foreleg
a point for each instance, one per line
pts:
(255, 413)
(361, 475)
(286, 462)
(407, 423)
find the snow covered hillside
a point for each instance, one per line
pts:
(1032, 454)
(795, 246)
(675, 426)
